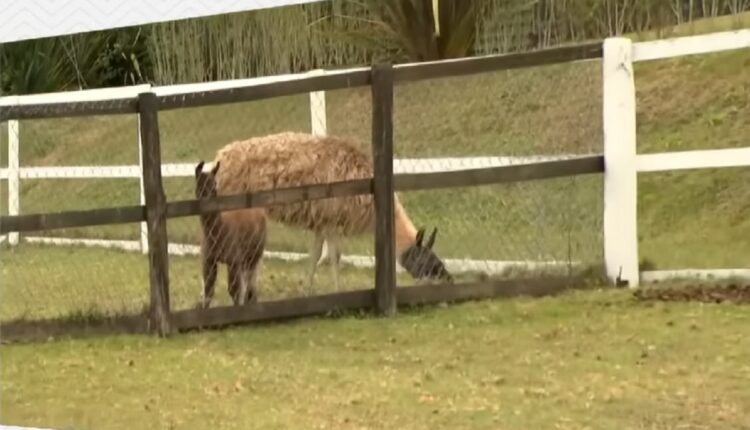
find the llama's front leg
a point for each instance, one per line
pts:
(330, 254)
(333, 251)
(316, 248)
(234, 283)
(251, 279)
(209, 281)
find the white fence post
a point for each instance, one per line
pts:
(318, 116)
(620, 176)
(319, 127)
(14, 175)
(144, 226)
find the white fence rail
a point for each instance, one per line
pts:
(622, 163)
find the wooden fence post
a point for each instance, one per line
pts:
(620, 175)
(382, 148)
(156, 211)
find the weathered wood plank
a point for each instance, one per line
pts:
(156, 212)
(274, 310)
(500, 174)
(364, 299)
(265, 198)
(69, 109)
(495, 63)
(382, 148)
(351, 79)
(70, 219)
(532, 287)
(40, 330)
(402, 182)
(183, 208)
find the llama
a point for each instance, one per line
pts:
(290, 159)
(235, 238)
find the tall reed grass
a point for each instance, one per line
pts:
(322, 34)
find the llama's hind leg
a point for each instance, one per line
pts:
(316, 248)
(335, 253)
(209, 281)
(235, 283)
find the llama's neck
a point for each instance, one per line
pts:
(406, 233)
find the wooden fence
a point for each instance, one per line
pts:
(385, 296)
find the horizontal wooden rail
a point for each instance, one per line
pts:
(419, 181)
(333, 81)
(403, 72)
(30, 330)
(274, 310)
(496, 63)
(531, 287)
(364, 299)
(691, 45)
(70, 109)
(279, 196)
(501, 174)
(187, 170)
(183, 208)
(696, 159)
(71, 219)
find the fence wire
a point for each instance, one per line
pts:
(443, 124)
(693, 219)
(61, 277)
(71, 164)
(501, 119)
(193, 135)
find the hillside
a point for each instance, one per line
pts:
(686, 219)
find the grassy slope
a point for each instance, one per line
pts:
(515, 364)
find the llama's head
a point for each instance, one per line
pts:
(205, 182)
(421, 261)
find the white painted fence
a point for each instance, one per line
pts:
(622, 163)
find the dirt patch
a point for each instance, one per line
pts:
(733, 293)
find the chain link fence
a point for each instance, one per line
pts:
(505, 230)
(63, 165)
(504, 119)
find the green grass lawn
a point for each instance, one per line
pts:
(582, 360)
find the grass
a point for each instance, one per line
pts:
(513, 364)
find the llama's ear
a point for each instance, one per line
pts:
(216, 168)
(420, 236)
(431, 240)
(199, 168)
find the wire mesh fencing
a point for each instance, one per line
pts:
(693, 219)
(189, 136)
(503, 119)
(72, 278)
(72, 164)
(486, 120)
